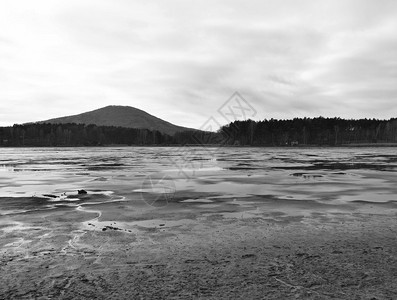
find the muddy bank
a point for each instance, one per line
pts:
(349, 255)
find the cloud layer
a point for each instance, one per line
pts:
(181, 60)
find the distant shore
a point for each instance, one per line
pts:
(355, 145)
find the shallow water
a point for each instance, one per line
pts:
(197, 178)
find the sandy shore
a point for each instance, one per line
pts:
(244, 248)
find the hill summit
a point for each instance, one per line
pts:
(121, 116)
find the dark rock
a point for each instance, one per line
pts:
(82, 192)
(248, 255)
(112, 228)
(50, 196)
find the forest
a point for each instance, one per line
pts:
(297, 132)
(311, 131)
(49, 135)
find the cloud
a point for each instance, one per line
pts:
(180, 60)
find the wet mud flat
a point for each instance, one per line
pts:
(236, 248)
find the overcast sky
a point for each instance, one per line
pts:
(181, 60)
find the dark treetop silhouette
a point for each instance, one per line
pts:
(307, 131)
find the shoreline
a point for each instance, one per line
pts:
(366, 145)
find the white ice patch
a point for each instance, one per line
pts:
(197, 201)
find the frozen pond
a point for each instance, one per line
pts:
(199, 178)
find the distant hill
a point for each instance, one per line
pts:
(123, 116)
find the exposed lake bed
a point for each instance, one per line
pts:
(222, 223)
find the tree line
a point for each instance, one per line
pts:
(311, 131)
(50, 135)
(299, 131)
